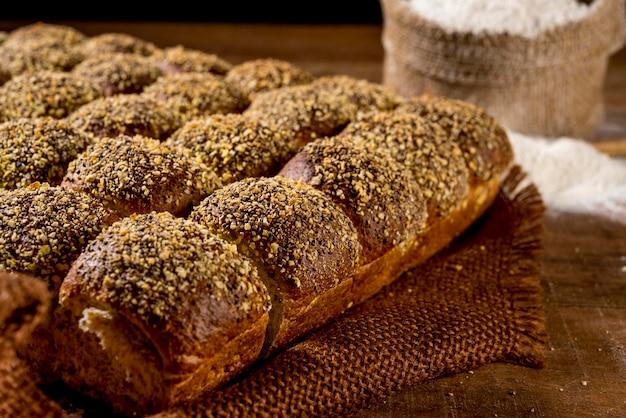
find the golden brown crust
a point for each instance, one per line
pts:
(234, 146)
(37, 150)
(41, 46)
(308, 112)
(259, 75)
(135, 174)
(119, 73)
(195, 95)
(484, 142)
(421, 145)
(439, 232)
(179, 59)
(134, 283)
(378, 194)
(305, 246)
(116, 42)
(367, 96)
(43, 229)
(125, 114)
(61, 34)
(45, 93)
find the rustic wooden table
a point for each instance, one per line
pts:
(584, 265)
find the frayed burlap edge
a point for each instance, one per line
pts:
(550, 85)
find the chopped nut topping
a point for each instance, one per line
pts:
(260, 75)
(45, 93)
(44, 228)
(195, 95)
(424, 148)
(482, 140)
(125, 114)
(37, 150)
(285, 226)
(119, 73)
(235, 147)
(125, 267)
(139, 174)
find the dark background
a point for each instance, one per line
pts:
(322, 11)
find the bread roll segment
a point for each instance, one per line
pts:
(305, 247)
(157, 310)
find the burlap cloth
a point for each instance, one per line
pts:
(550, 85)
(478, 301)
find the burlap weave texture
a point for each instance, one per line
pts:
(550, 85)
(478, 301)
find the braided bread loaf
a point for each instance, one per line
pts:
(243, 227)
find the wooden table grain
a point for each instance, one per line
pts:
(584, 264)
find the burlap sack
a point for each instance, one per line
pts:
(476, 302)
(550, 85)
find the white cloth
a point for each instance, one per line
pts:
(572, 175)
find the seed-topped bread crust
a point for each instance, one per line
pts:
(304, 245)
(484, 142)
(234, 146)
(378, 194)
(186, 296)
(255, 76)
(148, 265)
(125, 114)
(46, 93)
(425, 149)
(43, 229)
(135, 174)
(179, 59)
(119, 73)
(116, 42)
(195, 95)
(41, 46)
(54, 32)
(367, 96)
(37, 150)
(285, 223)
(308, 112)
